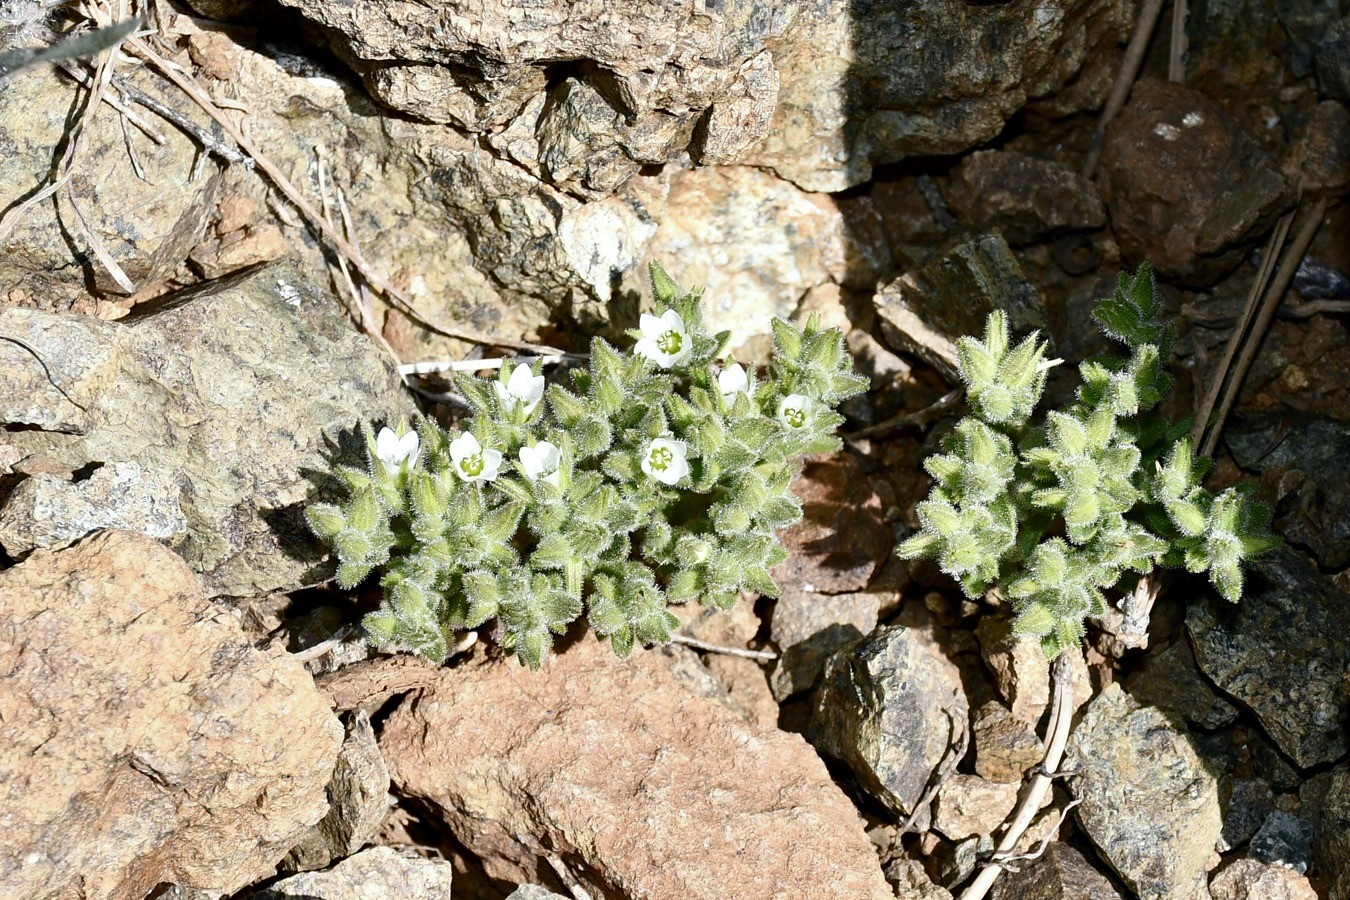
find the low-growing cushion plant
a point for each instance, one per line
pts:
(661, 476)
(1056, 512)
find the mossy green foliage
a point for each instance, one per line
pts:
(1053, 514)
(661, 475)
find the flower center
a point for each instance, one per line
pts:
(794, 416)
(670, 342)
(660, 458)
(472, 464)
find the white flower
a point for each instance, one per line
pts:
(665, 460)
(733, 379)
(523, 388)
(393, 450)
(541, 462)
(794, 410)
(664, 340)
(472, 462)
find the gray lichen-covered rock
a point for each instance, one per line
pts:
(46, 511)
(968, 805)
(1284, 839)
(147, 225)
(808, 627)
(358, 799)
(1027, 199)
(144, 739)
(1186, 187)
(881, 80)
(892, 713)
(1246, 802)
(918, 314)
(377, 872)
(1170, 680)
(1326, 802)
(1282, 653)
(1309, 455)
(1061, 873)
(237, 394)
(1149, 804)
(533, 892)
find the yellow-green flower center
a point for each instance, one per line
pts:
(794, 416)
(670, 342)
(660, 458)
(472, 464)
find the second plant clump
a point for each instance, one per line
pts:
(1054, 514)
(661, 477)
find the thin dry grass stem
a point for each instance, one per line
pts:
(1268, 258)
(1289, 263)
(1176, 58)
(920, 417)
(1129, 70)
(1056, 739)
(209, 142)
(78, 74)
(767, 655)
(189, 86)
(1039, 851)
(1138, 609)
(478, 365)
(65, 167)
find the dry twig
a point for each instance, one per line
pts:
(1129, 70)
(921, 417)
(678, 638)
(1056, 739)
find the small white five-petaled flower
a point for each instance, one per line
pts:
(541, 462)
(794, 410)
(733, 380)
(393, 450)
(665, 460)
(523, 389)
(664, 340)
(472, 462)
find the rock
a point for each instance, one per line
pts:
(1281, 652)
(911, 882)
(1149, 804)
(1326, 165)
(1305, 455)
(725, 225)
(1170, 680)
(651, 77)
(1186, 187)
(1006, 747)
(1020, 670)
(1061, 873)
(1027, 199)
(1249, 801)
(534, 892)
(47, 511)
(1248, 879)
(969, 805)
(1284, 840)
(1326, 801)
(809, 627)
(144, 739)
(890, 711)
(358, 799)
(226, 401)
(842, 537)
(1331, 63)
(925, 311)
(377, 872)
(742, 681)
(147, 225)
(885, 80)
(566, 756)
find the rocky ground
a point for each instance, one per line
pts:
(188, 710)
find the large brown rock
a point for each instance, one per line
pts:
(647, 788)
(1187, 189)
(143, 739)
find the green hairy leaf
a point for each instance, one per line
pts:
(660, 474)
(1054, 515)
